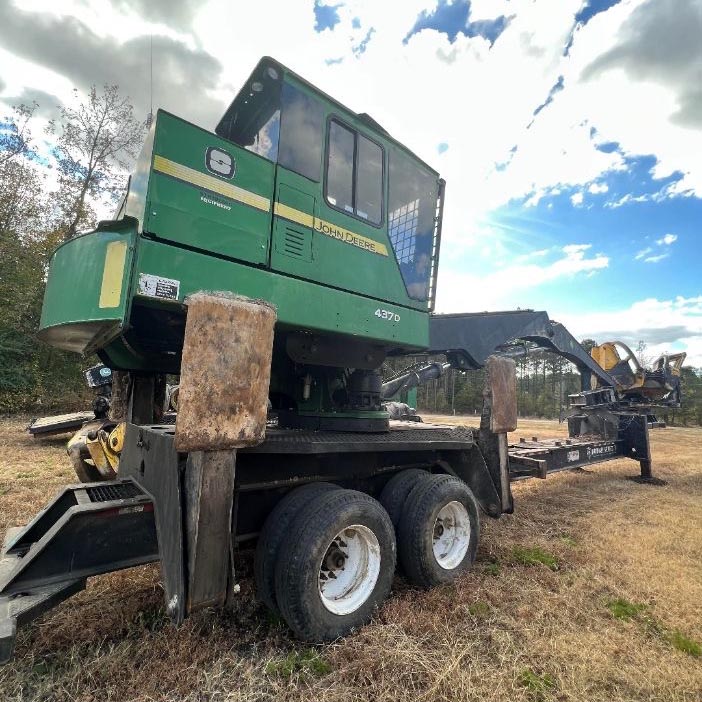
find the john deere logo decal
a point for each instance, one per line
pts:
(219, 162)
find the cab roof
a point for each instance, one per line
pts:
(363, 117)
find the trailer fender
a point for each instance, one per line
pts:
(470, 467)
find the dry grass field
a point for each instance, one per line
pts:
(591, 591)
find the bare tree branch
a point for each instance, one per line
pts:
(98, 140)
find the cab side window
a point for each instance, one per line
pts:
(340, 167)
(301, 132)
(354, 181)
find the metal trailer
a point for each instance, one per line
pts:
(59, 423)
(143, 516)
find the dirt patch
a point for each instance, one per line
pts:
(591, 591)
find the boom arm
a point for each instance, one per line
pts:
(413, 377)
(468, 339)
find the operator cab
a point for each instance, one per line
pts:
(345, 176)
(294, 199)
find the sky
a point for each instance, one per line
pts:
(569, 132)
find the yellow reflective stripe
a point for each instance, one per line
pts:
(306, 220)
(190, 175)
(202, 180)
(328, 229)
(113, 274)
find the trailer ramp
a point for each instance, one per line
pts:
(87, 530)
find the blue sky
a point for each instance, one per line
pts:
(631, 235)
(569, 131)
(644, 243)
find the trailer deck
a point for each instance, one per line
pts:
(536, 458)
(59, 423)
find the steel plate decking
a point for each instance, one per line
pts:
(403, 436)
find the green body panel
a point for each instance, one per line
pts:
(294, 245)
(134, 204)
(72, 317)
(197, 216)
(300, 304)
(179, 206)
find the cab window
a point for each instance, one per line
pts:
(253, 119)
(354, 182)
(412, 220)
(301, 132)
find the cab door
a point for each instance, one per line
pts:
(298, 182)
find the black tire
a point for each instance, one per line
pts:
(416, 533)
(397, 489)
(309, 542)
(274, 531)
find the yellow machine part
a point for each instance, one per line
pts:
(94, 450)
(672, 361)
(105, 448)
(605, 355)
(608, 355)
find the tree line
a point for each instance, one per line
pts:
(544, 382)
(51, 186)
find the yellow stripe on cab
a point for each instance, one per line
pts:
(328, 229)
(113, 274)
(202, 180)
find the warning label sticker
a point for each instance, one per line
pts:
(156, 286)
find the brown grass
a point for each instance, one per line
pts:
(603, 624)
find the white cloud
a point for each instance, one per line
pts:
(667, 240)
(598, 188)
(626, 199)
(655, 259)
(665, 325)
(467, 292)
(634, 65)
(644, 254)
(576, 250)
(577, 198)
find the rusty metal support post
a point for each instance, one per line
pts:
(499, 416)
(208, 489)
(222, 406)
(646, 473)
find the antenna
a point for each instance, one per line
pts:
(150, 118)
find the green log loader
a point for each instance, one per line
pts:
(274, 264)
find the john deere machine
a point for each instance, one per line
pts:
(274, 264)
